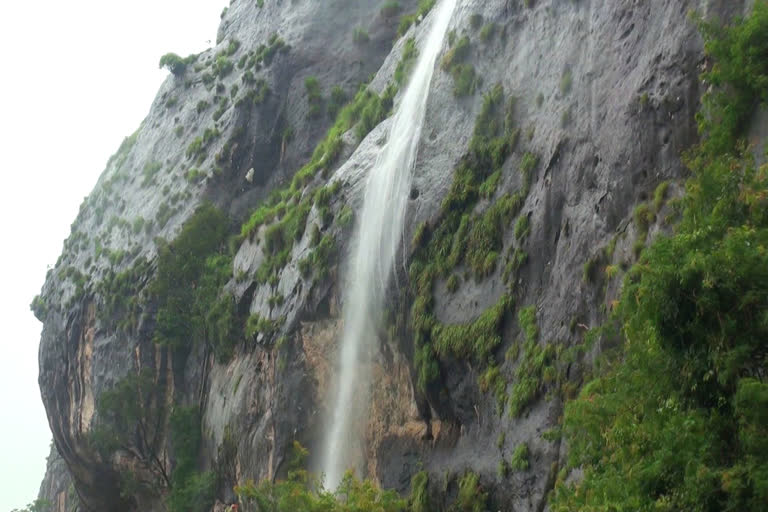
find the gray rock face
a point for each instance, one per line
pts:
(57, 488)
(606, 94)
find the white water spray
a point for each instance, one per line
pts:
(378, 236)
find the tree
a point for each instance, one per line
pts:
(131, 416)
(176, 64)
(36, 506)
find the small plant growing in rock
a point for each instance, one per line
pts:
(360, 36)
(644, 217)
(222, 66)
(487, 32)
(337, 100)
(390, 8)
(453, 283)
(471, 496)
(201, 106)
(314, 97)
(519, 461)
(502, 469)
(660, 195)
(175, 64)
(589, 270)
(234, 45)
(522, 227)
(566, 82)
(475, 20)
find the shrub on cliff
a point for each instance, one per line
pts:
(190, 273)
(176, 64)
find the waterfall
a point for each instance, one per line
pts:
(378, 235)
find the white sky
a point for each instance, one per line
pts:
(76, 77)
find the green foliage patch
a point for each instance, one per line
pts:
(465, 80)
(191, 490)
(405, 66)
(519, 461)
(536, 365)
(176, 64)
(314, 97)
(678, 420)
(409, 19)
(286, 210)
(460, 236)
(191, 271)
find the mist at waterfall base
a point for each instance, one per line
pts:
(378, 235)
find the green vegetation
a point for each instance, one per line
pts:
(589, 270)
(191, 491)
(536, 362)
(223, 105)
(319, 260)
(405, 66)
(475, 339)
(122, 295)
(257, 92)
(337, 100)
(487, 32)
(38, 307)
(465, 81)
(314, 97)
(233, 46)
(130, 419)
(677, 419)
(660, 195)
(258, 325)
(522, 228)
(409, 19)
(301, 491)
(390, 8)
(492, 380)
(222, 66)
(346, 217)
(176, 64)
(190, 273)
(360, 36)
(644, 217)
(197, 149)
(265, 54)
(519, 460)
(463, 237)
(419, 500)
(36, 506)
(149, 172)
(566, 82)
(452, 284)
(285, 212)
(471, 497)
(294, 494)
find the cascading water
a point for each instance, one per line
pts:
(378, 235)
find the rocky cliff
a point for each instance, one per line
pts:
(547, 123)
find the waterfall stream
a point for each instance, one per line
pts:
(378, 235)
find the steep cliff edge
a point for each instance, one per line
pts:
(557, 117)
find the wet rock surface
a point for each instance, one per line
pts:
(605, 95)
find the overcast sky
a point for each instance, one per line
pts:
(77, 77)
